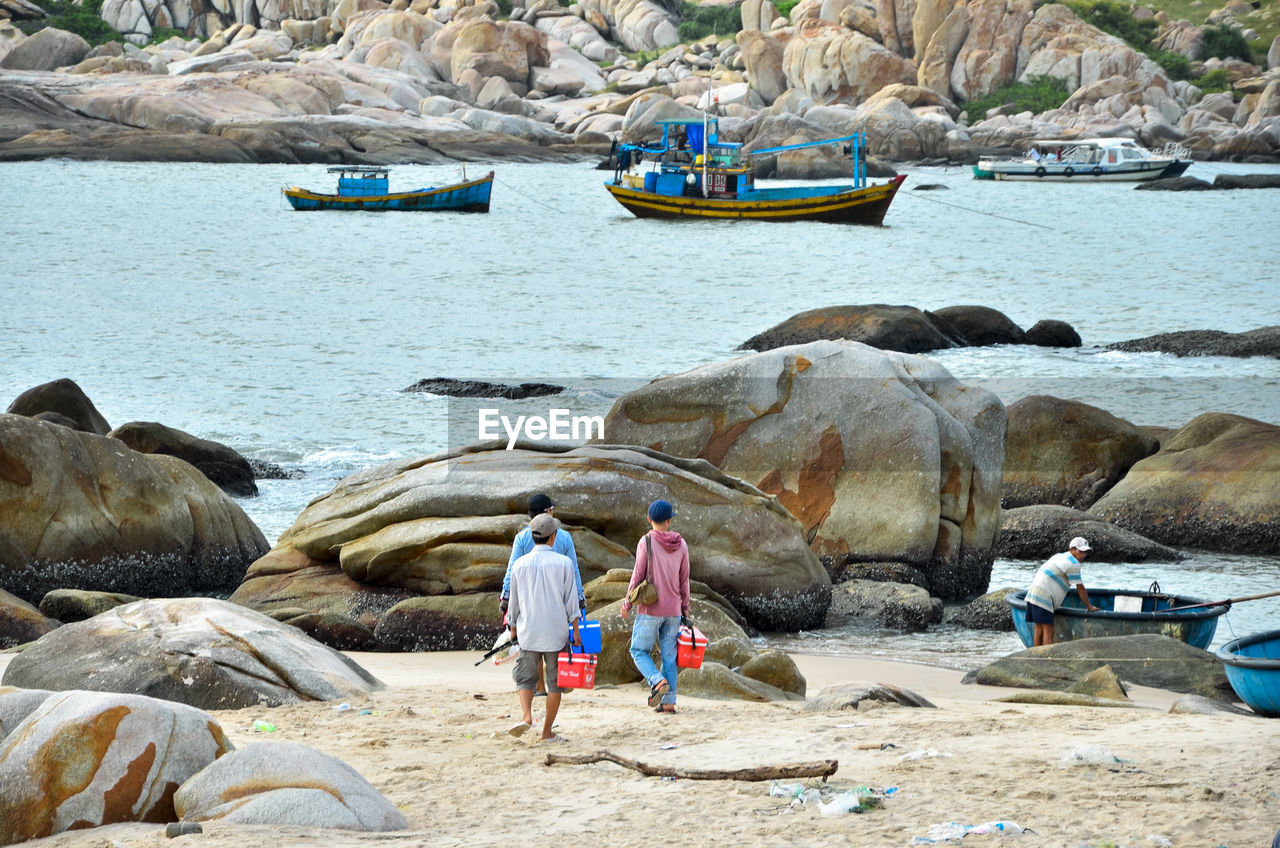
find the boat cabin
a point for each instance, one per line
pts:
(1088, 151)
(694, 161)
(361, 180)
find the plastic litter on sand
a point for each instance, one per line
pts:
(923, 754)
(264, 726)
(1089, 755)
(956, 832)
(829, 800)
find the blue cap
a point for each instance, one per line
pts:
(660, 511)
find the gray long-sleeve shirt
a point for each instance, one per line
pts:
(544, 599)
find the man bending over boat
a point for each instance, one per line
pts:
(1050, 587)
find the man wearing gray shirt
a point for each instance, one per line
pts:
(543, 608)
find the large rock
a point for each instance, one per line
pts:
(68, 605)
(444, 525)
(763, 57)
(65, 398)
(20, 622)
(987, 612)
(978, 326)
(1214, 484)
(1264, 341)
(636, 24)
(84, 511)
(851, 695)
(1147, 659)
(16, 704)
(199, 651)
(715, 682)
(46, 50)
(507, 49)
(283, 783)
(1067, 453)
(832, 64)
(440, 623)
(901, 328)
(224, 467)
(987, 59)
(86, 759)
(1039, 532)
(882, 456)
(897, 606)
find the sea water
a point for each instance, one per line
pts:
(192, 295)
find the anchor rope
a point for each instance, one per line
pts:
(977, 211)
(507, 185)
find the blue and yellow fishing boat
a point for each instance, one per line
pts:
(365, 187)
(691, 173)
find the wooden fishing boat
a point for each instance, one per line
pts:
(1252, 665)
(365, 188)
(1087, 160)
(1124, 612)
(691, 173)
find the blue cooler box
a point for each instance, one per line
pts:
(590, 633)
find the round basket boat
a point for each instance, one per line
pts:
(1124, 612)
(1252, 665)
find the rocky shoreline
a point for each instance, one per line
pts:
(433, 82)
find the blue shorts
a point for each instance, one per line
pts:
(1038, 615)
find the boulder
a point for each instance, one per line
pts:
(1102, 682)
(1214, 484)
(1039, 532)
(68, 605)
(1146, 659)
(224, 467)
(988, 612)
(482, 389)
(851, 696)
(987, 58)
(284, 783)
(20, 622)
(832, 64)
(340, 632)
(1264, 341)
(639, 25)
(1230, 181)
(144, 525)
(46, 50)
(715, 682)
(440, 623)
(444, 525)
(16, 704)
(1200, 705)
(901, 328)
(881, 572)
(199, 651)
(729, 651)
(289, 581)
(1067, 453)
(87, 759)
(762, 54)
(896, 606)
(1053, 333)
(978, 326)
(1175, 184)
(882, 456)
(65, 398)
(775, 668)
(507, 49)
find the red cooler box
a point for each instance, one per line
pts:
(576, 671)
(690, 646)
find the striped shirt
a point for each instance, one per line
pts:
(1053, 580)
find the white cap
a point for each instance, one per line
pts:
(1080, 544)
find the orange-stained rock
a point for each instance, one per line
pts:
(85, 759)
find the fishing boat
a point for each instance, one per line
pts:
(1252, 665)
(692, 173)
(365, 187)
(1087, 160)
(1125, 612)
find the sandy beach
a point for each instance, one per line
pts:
(435, 743)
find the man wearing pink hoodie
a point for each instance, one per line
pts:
(663, 558)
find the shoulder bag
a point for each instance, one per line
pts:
(644, 592)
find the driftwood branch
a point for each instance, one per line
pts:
(818, 768)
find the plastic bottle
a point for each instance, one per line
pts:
(264, 726)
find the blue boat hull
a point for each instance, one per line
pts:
(1252, 665)
(472, 196)
(1071, 621)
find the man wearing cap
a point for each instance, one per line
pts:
(662, 558)
(1050, 586)
(543, 612)
(539, 504)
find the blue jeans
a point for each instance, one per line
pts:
(664, 630)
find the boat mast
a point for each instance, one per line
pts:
(704, 136)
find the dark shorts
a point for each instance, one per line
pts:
(1038, 615)
(525, 673)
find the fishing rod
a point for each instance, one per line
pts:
(496, 648)
(1227, 602)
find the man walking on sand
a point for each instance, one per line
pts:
(1049, 588)
(662, 558)
(543, 609)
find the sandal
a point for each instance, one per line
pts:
(669, 709)
(656, 692)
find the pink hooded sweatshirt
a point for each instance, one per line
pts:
(669, 572)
